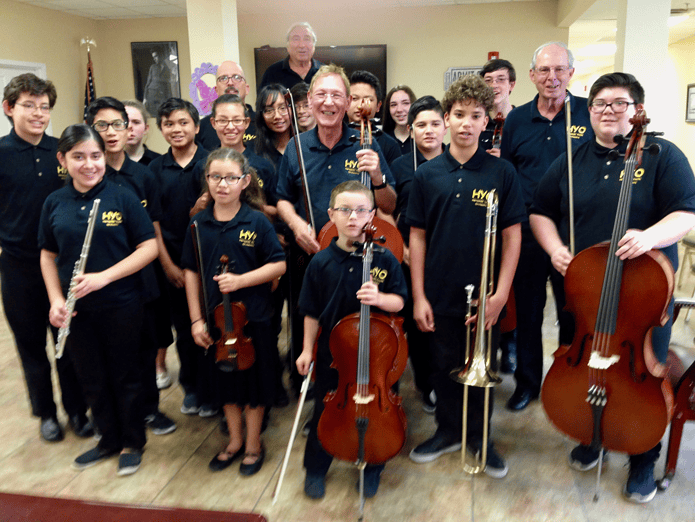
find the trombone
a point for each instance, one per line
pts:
(476, 370)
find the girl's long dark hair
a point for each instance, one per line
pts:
(265, 138)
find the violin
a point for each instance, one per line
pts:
(233, 350)
(394, 241)
(607, 389)
(497, 134)
(363, 420)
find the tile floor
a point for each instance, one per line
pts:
(540, 486)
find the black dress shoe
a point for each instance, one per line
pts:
(217, 464)
(520, 399)
(255, 467)
(50, 430)
(81, 425)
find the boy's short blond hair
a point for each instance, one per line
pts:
(351, 186)
(469, 87)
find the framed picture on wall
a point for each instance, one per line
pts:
(155, 72)
(690, 104)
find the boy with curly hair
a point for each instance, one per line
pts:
(446, 213)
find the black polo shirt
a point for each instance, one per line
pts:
(403, 171)
(179, 188)
(250, 242)
(332, 279)
(138, 178)
(325, 169)
(531, 142)
(390, 147)
(149, 156)
(448, 200)
(280, 72)
(404, 146)
(28, 174)
(207, 135)
(121, 225)
(663, 184)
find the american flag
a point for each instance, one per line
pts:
(89, 94)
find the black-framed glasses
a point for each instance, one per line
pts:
(347, 212)
(101, 125)
(237, 78)
(618, 106)
(216, 179)
(223, 122)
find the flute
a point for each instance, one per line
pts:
(80, 265)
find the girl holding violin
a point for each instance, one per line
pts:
(235, 228)
(661, 211)
(332, 290)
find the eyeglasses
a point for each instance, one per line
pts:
(216, 179)
(302, 106)
(618, 106)
(322, 96)
(222, 122)
(492, 80)
(559, 71)
(347, 212)
(269, 111)
(234, 77)
(31, 107)
(101, 126)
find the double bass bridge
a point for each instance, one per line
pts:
(599, 362)
(362, 399)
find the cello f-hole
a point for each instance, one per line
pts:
(582, 346)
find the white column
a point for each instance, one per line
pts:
(213, 32)
(642, 50)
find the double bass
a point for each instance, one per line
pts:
(606, 389)
(363, 420)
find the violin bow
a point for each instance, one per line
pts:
(570, 182)
(199, 261)
(293, 433)
(300, 159)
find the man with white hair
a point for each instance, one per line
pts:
(229, 79)
(534, 135)
(300, 65)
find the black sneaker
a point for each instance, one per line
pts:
(129, 462)
(583, 458)
(190, 404)
(640, 487)
(159, 423)
(81, 425)
(315, 485)
(495, 466)
(92, 457)
(434, 448)
(50, 430)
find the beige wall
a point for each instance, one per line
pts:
(682, 56)
(424, 41)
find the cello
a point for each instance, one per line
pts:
(363, 420)
(394, 241)
(606, 389)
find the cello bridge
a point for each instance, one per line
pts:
(599, 362)
(362, 399)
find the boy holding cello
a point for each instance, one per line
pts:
(447, 213)
(661, 211)
(333, 289)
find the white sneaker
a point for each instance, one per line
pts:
(163, 380)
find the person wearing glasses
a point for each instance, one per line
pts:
(534, 135)
(179, 188)
(109, 117)
(501, 76)
(332, 290)
(29, 172)
(662, 211)
(273, 129)
(230, 80)
(299, 66)
(331, 157)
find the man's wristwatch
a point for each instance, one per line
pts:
(383, 183)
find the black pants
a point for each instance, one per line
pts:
(149, 346)
(418, 349)
(104, 346)
(297, 263)
(26, 308)
(447, 348)
(530, 290)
